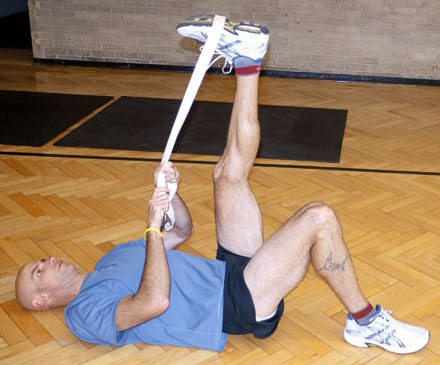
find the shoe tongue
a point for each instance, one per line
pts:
(379, 311)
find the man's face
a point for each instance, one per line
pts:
(43, 277)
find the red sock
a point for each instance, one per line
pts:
(363, 313)
(365, 316)
(249, 70)
(247, 66)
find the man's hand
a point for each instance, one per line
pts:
(158, 206)
(183, 227)
(171, 173)
(167, 176)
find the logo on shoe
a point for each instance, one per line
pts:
(230, 26)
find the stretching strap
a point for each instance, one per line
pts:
(197, 76)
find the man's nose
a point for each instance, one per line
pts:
(52, 261)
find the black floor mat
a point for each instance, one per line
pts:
(33, 119)
(143, 124)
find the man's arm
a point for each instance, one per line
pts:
(152, 298)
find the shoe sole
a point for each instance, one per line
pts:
(360, 342)
(231, 27)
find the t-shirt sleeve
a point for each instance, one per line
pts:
(91, 316)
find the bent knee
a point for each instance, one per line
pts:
(320, 213)
(225, 171)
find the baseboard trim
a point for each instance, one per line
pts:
(268, 73)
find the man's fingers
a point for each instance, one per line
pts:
(160, 196)
(160, 191)
(171, 173)
(159, 207)
(160, 202)
(168, 165)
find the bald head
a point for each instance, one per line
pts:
(24, 290)
(45, 284)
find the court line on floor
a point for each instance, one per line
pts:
(259, 164)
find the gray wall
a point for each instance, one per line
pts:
(391, 38)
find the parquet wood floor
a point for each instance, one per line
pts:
(77, 209)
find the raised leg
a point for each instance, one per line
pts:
(238, 218)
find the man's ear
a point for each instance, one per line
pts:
(40, 301)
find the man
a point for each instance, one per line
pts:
(150, 293)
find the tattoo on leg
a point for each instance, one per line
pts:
(329, 265)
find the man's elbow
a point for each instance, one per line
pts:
(184, 235)
(155, 308)
(189, 230)
(162, 305)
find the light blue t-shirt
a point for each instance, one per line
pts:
(194, 317)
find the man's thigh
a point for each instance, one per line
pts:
(237, 217)
(282, 262)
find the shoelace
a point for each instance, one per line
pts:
(385, 324)
(227, 61)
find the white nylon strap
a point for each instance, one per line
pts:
(197, 76)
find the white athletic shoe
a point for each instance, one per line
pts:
(386, 332)
(238, 39)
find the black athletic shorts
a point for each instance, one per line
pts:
(239, 310)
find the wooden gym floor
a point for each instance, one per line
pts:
(385, 191)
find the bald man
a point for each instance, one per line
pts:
(144, 291)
